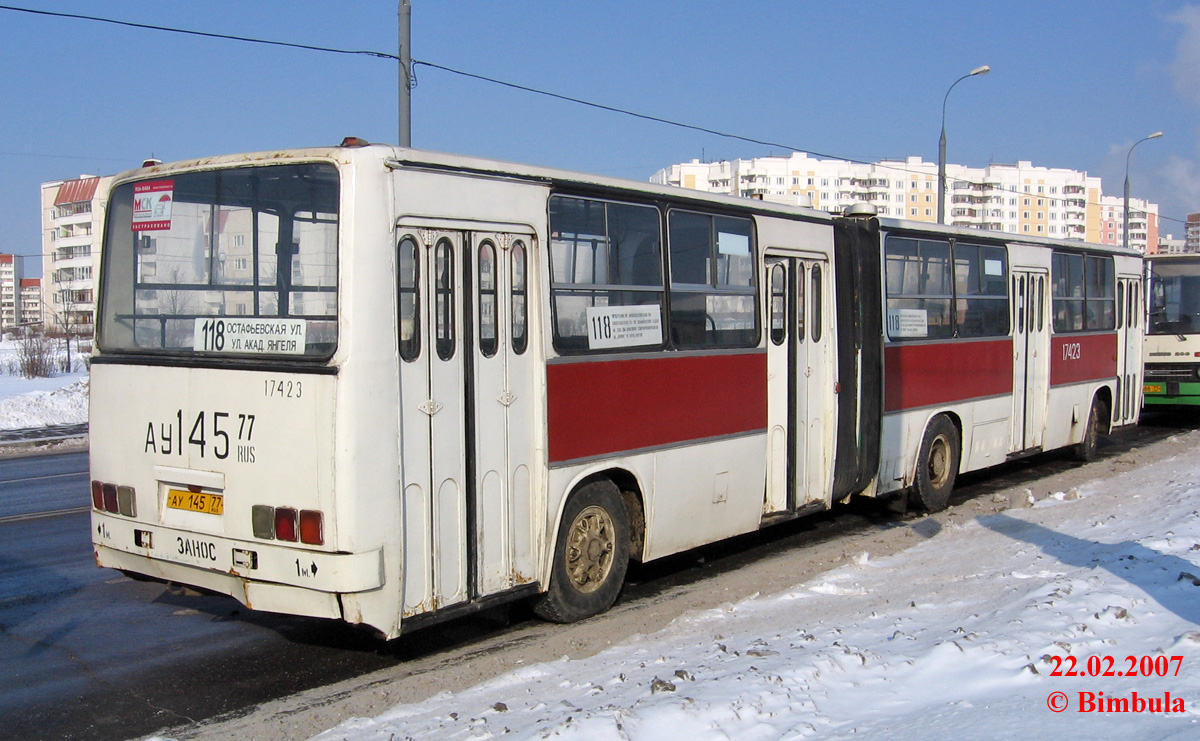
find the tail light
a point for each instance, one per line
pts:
(311, 527)
(119, 500)
(285, 523)
(110, 497)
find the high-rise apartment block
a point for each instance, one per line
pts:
(11, 273)
(72, 220)
(1192, 233)
(1018, 199)
(31, 302)
(1143, 223)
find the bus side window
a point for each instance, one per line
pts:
(801, 307)
(778, 304)
(816, 303)
(444, 288)
(489, 339)
(1020, 301)
(520, 324)
(408, 270)
(713, 287)
(920, 288)
(603, 255)
(1041, 303)
(1120, 305)
(1137, 304)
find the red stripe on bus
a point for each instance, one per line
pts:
(605, 407)
(945, 372)
(1076, 358)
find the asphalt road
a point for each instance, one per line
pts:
(88, 653)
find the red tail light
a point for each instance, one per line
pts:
(312, 527)
(109, 492)
(97, 495)
(285, 524)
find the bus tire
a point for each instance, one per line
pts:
(1086, 449)
(591, 555)
(937, 463)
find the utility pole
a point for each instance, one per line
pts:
(405, 13)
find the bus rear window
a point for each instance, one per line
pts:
(237, 262)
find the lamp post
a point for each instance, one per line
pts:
(941, 205)
(1125, 230)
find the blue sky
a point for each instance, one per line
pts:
(1073, 85)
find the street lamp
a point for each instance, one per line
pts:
(1125, 230)
(941, 205)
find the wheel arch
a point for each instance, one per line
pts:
(632, 494)
(1105, 394)
(955, 420)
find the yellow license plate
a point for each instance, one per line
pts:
(1153, 388)
(211, 504)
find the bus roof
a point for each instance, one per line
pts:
(1006, 237)
(398, 157)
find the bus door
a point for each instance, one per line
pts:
(799, 411)
(1130, 319)
(433, 455)
(504, 411)
(1031, 356)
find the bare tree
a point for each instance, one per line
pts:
(35, 356)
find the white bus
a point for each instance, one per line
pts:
(393, 386)
(1173, 331)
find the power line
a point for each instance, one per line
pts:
(626, 112)
(511, 85)
(432, 65)
(67, 157)
(189, 32)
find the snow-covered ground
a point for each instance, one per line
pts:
(61, 399)
(961, 636)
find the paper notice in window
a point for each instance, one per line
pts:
(624, 326)
(152, 205)
(729, 243)
(908, 323)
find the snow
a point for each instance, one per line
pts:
(954, 637)
(36, 402)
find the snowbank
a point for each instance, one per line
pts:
(36, 402)
(959, 636)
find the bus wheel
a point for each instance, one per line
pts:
(937, 463)
(1085, 449)
(591, 555)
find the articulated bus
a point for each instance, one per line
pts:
(393, 386)
(1173, 331)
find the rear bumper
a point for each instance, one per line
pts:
(261, 575)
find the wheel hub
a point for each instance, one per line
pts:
(590, 549)
(939, 455)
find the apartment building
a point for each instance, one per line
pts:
(72, 220)
(1018, 199)
(1192, 233)
(11, 273)
(1169, 245)
(31, 302)
(1143, 223)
